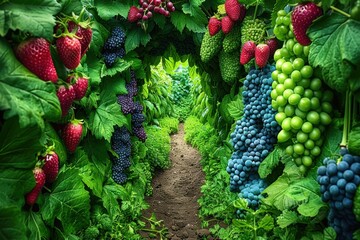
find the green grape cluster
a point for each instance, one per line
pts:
(282, 26)
(302, 103)
(254, 30)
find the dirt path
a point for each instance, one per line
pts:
(176, 191)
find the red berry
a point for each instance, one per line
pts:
(302, 17)
(262, 53)
(35, 54)
(133, 14)
(235, 10)
(51, 166)
(71, 135)
(69, 50)
(40, 177)
(66, 96)
(84, 34)
(247, 52)
(273, 45)
(226, 24)
(214, 26)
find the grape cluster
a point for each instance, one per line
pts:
(338, 185)
(302, 103)
(137, 119)
(114, 47)
(126, 100)
(254, 136)
(121, 145)
(149, 7)
(282, 25)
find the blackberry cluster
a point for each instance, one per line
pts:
(114, 47)
(137, 119)
(121, 145)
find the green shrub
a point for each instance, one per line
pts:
(170, 124)
(158, 147)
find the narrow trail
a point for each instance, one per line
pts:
(176, 191)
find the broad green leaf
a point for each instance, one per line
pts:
(19, 146)
(286, 218)
(194, 10)
(100, 33)
(120, 66)
(69, 6)
(94, 68)
(110, 196)
(15, 183)
(33, 16)
(334, 39)
(105, 117)
(136, 37)
(181, 20)
(68, 201)
(12, 219)
(113, 86)
(36, 226)
(23, 94)
(270, 162)
(329, 233)
(107, 9)
(242, 224)
(354, 141)
(236, 108)
(267, 223)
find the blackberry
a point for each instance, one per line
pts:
(119, 33)
(119, 177)
(120, 53)
(109, 59)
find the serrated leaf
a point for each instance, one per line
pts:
(136, 37)
(110, 196)
(329, 233)
(269, 163)
(33, 16)
(266, 223)
(236, 108)
(107, 9)
(241, 203)
(287, 218)
(120, 66)
(333, 40)
(241, 224)
(68, 201)
(181, 20)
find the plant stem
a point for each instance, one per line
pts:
(255, 12)
(340, 11)
(346, 120)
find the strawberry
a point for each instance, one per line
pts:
(69, 50)
(214, 26)
(235, 10)
(80, 85)
(84, 32)
(302, 17)
(133, 14)
(226, 24)
(51, 166)
(35, 54)
(71, 134)
(40, 177)
(273, 45)
(262, 53)
(247, 52)
(66, 96)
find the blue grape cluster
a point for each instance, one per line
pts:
(121, 145)
(254, 136)
(338, 185)
(114, 47)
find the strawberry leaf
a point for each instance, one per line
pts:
(33, 16)
(334, 39)
(23, 94)
(68, 201)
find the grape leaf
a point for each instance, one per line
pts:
(68, 201)
(270, 162)
(266, 223)
(181, 20)
(107, 9)
(136, 37)
(334, 39)
(33, 16)
(287, 218)
(100, 33)
(23, 94)
(120, 66)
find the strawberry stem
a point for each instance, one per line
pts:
(256, 9)
(340, 11)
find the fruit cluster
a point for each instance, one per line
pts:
(261, 52)
(148, 8)
(114, 47)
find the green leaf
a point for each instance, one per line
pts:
(136, 37)
(270, 162)
(23, 94)
(266, 223)
(69, 7)
(100, 33)
(68, 201)
(105, 117)
(55, 139)
(120, 66)
(33, 16)
(286, 218)
(334, 39)
(107, 9)
(36, 226)
(329, 233)
(19, 146)
(236, 108)
(354, 141)
(240, 203)
(110, 196)
(12, 219)
(181, 20)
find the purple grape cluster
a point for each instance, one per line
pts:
(137, 119)
(126, 100)
(114, 47)
(121, 145)
(149, 7)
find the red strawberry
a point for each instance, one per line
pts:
(133, 14)
(66, 97)
(302, 17)
(84, 33)
(51, 166)
(235, 10)
(69, 50)
(226, 24)
(273, 45)
(35, 54)
(80, 85)
(71, 134)
(247, 52)
(262, 53)
(214, 26)
(40, 181)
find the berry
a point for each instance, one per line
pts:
(80, 87)
(40, 177)
(35, 54)
(133, 14)
(262, 53)
(226, 24)
(71, 135)
(273, 45)
(214, 26)
(84, 34)
(247, 52)
(66, 96)
(51, 166)
(235, 10)
(302, 17)
(69, 50)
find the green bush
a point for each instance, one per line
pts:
(170, 124)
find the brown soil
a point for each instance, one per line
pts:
(176, 191)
